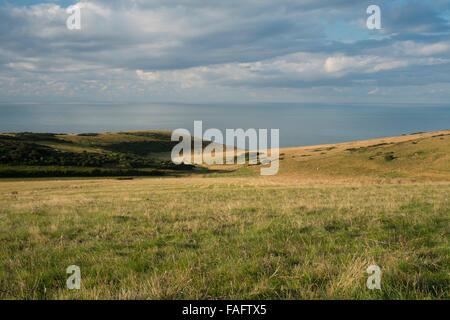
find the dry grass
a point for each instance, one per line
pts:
(303, 234)
(222, 238)
(416, 158)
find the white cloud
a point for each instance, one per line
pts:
(302, 66)
(345, 63)
(421, 49)
(137, 46)
(21, 65)
(185, 79)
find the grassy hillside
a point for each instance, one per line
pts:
(309, 232)
(421, 156)
(414, 157)
(236, 238)
(89, 154)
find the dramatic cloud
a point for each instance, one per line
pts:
(200, 50)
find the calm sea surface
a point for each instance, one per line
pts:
(299, 124)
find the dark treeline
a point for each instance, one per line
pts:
(65, 172)
(26, 155)
(30, 154)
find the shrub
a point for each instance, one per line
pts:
(89, 134)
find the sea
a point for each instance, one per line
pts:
(300, 124)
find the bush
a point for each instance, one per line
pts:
(89, 134)
(31, 172)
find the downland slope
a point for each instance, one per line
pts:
(411, 157)
(308, 233)
(137, 153)
(407, 158)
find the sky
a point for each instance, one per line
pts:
(204, 51)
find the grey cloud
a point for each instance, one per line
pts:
(120, 37)
(414, 17)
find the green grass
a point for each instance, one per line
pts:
(310, 232)
(232, 238)
(239, 172)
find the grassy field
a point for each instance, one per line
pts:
(308, 233)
